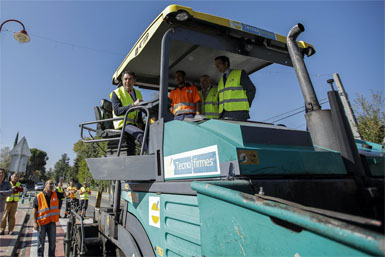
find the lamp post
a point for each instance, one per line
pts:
(22, 35)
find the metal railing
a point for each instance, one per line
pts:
(83, 126)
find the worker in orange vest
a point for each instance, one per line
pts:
(184, 99)
(46, 214)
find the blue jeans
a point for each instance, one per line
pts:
(137, 133)
(50, 229)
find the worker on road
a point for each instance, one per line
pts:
(11, 206)
(5, 191)
(61, 194)
(123, 98)
(209, 97)
(236, 91)
(85, 192)
(46, 214)
(185, 98)
(72, 197)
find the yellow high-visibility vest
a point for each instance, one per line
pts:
(210, 105)
(74, 195)
(60, 190)
(87, 191)
(14, 196)
(232, 97)
(126, 99)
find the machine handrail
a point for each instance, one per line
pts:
(82, 127)
(124, 126)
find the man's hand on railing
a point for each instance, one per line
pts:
(137, 102)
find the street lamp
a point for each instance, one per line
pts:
(21, 36)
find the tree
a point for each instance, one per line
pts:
(36, 164)
(5, 158)
(62, 167)
(50, 174)
(88, 150)
(371, 117)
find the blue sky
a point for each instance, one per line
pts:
(50, 85)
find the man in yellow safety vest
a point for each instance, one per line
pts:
(84, 193)
(11, 205)
(209, 98)
(236, 91)
(71, 197)
(124, 98)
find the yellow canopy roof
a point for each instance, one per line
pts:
(196, 60)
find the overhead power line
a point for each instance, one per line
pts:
(296, 109)
(295, 113)
(71, 44)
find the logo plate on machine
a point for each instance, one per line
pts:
(199, 162)
(154, 211)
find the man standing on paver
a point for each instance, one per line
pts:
(11, 206)
(5, 191)
(46, 214)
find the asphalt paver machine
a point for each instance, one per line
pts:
(211, 187)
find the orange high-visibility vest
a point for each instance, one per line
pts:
(184, 100)
(47, 214)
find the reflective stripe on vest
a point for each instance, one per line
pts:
(210, 104)
(14, 197)
(126, 99)
(232, 97)
(186, 96)
(47, 214)
(84, 196)
(74, 195)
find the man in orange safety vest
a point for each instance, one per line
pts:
(46, 214)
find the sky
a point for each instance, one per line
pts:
(51, 84)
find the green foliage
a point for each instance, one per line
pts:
(50, 174)
(62, 167)
(5, 158)
(88, 150)
(371, 117)
(36, 164)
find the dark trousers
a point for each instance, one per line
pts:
(182, 116)
(235, 115)
(83, 205)
(50, 230)
(137, 133)
(60, 204)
